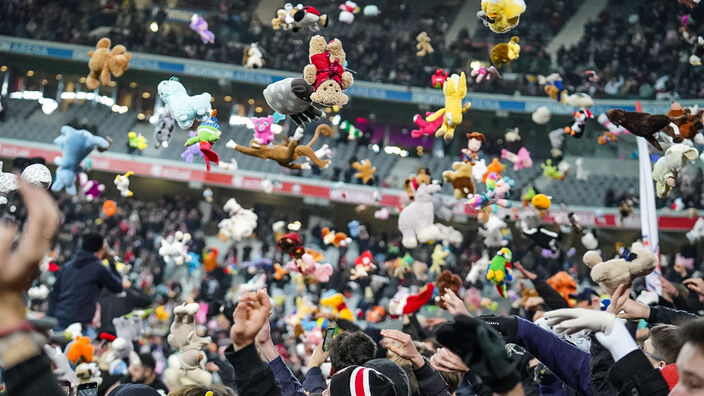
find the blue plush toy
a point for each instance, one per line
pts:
(75, 146)
(184, 109)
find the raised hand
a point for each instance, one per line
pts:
(623, 307)
(526, 274)
(695, 284)
(454, 304)
(573, 320)
(401, 344)
(251, 314)
(445, 360)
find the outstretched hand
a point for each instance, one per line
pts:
(573, 320)
(526, 274)
(623, 307)
(446, 360)
(454, 304)
(695, 284)
(251, 314)
(401, 344)
(19, 267)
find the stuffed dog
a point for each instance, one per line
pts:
(103, 62)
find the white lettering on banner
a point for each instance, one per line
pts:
(207, 71)
(14, 151)
(29, 49)
(99, 163)
(356, 196)
(251, 184)
(139, 62)
(175, 174)
(259, 78)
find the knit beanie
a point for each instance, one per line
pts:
(361, 381)
(394, 372)
(134, 390)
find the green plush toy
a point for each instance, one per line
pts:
(499, 270)
(353, 133)
(137, 141)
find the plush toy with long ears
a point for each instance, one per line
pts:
(104, 62)
(455, 90)
(326, 72)
(521, 159)
(200, 26)
(504, 53)
(578, 126)
(184, 109)
(438, 79)
(500, 271)
(501, 15)
(439, 256)
(666, 169)
(207, 133)
(91, 189)
(363, 265)
(425, 127)
(75, 146)
(484, 73)
(292, 97)
(122, 183)
(365, 170)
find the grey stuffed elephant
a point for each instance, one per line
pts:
(666, 169)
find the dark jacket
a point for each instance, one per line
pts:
(252, 376)
(600, 362)
(114, 305)
(77, 286)
(32, 377)
(634, 375)
(287, 381)
(553, 299)
(659, 314)
(569, 363)
(430, 382)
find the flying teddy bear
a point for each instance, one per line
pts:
(687, 127)
(103, 62)
(185, 109)
(461, 179)
(501, 15)
(667, 168)
(642, 124)
(423, 45)
(422, 176)
(292, 97)
(365, 171)
(285, 154)
(326, 72)
(623, 270)
(122, 183)
(75, 146)
(455, 90)
(504, 53)
(447, 280)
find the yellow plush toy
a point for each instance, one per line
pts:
(338, 305)
(501, 15)
(365, 171)
(503, 53)
(423, 46)
(455, 89)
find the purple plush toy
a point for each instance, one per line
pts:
(200, 26)
(192, 150)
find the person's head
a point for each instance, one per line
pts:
(394, 372)
(133, 390)
(587, 298)
(363, 380)
(201, 390)
(662, 345)
(142, 372)
(690, 361)
(351, 349)
(94, 243)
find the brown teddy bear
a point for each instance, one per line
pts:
(326, 72)
(460, 178)
(610, 274)
(447, 280)
(642, 124)
(503, 53)
(423, 46)
(103, 62)
(687, 126)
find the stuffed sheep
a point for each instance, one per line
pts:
(185, 109)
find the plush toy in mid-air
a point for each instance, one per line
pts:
(91, 189)
(326, 72)
(241, 223)
(423, 44)
(501, 15)
(163, 129)
(337, 303)
(363, 265)
(292, 97)
(541, 115)
(474, 144)
(310, 18)
(635, 263)
(555, 172)
(666, 169)
(499, 270)
(494, 167)
(640, 124)
(405, 303)
(541, 202)
(122, 183)
(438, 78)
(504, 53)
(612, 131)
(497, 192)
(263, 135)
(371, 10)
(252, 58)
(184, 109)
(461, 179)
(697, 51)
(284, 17)
(104, 62)
(521, 159)
(578, 126)
(337, 239)
(485, 73)
(427, 128)
(75, 146)
(365, 170)
(439, 256)
(207, 133)
(285, 154)
(447, 280)
(688, 126)
(174, 248)
(190, 360)
(454, 89)
(136, 141)
(200, 26)
(416, 221)
(422, 176)
(347, 11)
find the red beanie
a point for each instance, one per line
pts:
(669, 372)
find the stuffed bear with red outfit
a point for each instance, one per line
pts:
(326, 72)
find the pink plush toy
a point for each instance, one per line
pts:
(426, 127)
(485, 73)
(90, 188)
(200, 26)
(263, 135)
(307, 265)
(521, 160)
(497, 191)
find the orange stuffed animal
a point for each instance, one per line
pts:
(564, 284)
(79, 351)
(495, 166)
(103, 62)
(339, 239)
